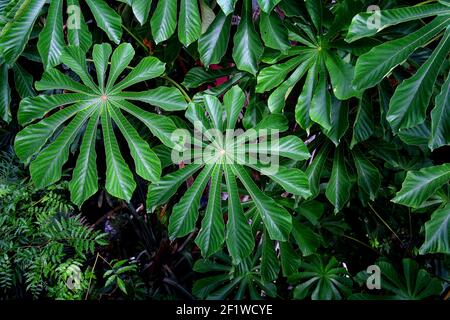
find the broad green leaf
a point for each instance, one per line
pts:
(189, 22)
(120, 59)
(305, 99)
(107, 19)
(164, 20)
(5, 91)
(233, 100)
(437, 231)
(185, 212)
(240, 240)
(273, 32)
(141, 9)
(420, 185)
(416, 136)
(197, 76)
(363, 24)
(23, 81)
(320, 111)
(291, 179)
(270, 77)
(30, 140)
(84, 180)
(159, 193)
(215, 111)
(227, 6)
(368, 175)
(15, 34)
(100, 55)
(275, 218)
(75, 59)
(53, 79)
(376, 64)
(51, 38)
(363, 125)
(278, 97)
(339, 186)
(339, 121)
(267, 5)
(146, 162)
(77, 31)
(32, 108)
(341, 76)
(212, 232)
(315, 9)
(290, 147)
(148, 68)
(247, 49)
(119, 178)
(167, 98)
(161, 126)
(307, 240)
(290, 260)
(212, 45)
(44, 172)
(440, 115)
(314, 170)
(270, 267)
(410, 101)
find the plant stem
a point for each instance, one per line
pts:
(360, 242)
(90, 279)
(384, 222)
(139, 41)
(176, 84)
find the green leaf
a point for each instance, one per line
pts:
(212, 232)
(84, 180)
(15, 34)
(75, 59)
(339, 121)
(363, 125)
(240, 240)
(275, 218)
(227, 6)
(77, 31)
(168, 185)
(369, 179)
(314, 170)
(119, 178)
(189, 22)
(212, 45)
(107, 19)
(185, 212)
(146, 162)
(233, 100)
(23, 82)
(376, 64)
(51, 38)
(100, 55)
(164, 20)
(53, 79)
(290, 260)
(307, 240)
(5, 91)
(273, 32)
(410, 101)
(247, 49)
(304, 101)
(339, 186)
(320, 111)
(440, 115)
(141, 9)
(420, 185)
(437, 232)
(341, 76)
(267, 5)
(120, 59)
(167, 98)
(315, 9)
(270, 267)
(363, 24)
(44, 172)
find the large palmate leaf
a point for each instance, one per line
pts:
(421, 185)
(225, 155)
(321, 280)
(224, 280)
(320, 61)
(46, 143)
(437, 232)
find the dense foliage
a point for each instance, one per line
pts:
(132, 134)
